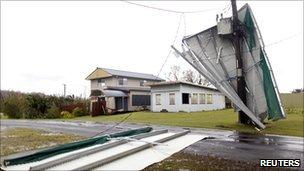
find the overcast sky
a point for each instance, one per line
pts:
(50, 43)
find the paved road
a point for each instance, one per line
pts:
(226, 144)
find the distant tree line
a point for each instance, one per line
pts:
(298, 90)
(37, 105)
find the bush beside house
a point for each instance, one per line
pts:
(36, 105)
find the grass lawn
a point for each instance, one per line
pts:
(23, 139)
(219, 119)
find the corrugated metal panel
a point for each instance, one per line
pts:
(216, 54)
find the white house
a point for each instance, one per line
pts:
(183, 96)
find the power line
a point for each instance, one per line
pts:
(118, 123)
(226, 9)
(167, 10)
(170, 50)
(281, 40)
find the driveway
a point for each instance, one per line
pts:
(226, 144)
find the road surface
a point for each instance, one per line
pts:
(226, 144)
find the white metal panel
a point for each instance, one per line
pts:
(225, 88)
(150, 156)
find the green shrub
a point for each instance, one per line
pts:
(67, 115)
(39, 103)
(11, 108)
(53, 112)
(31, 113)
(78, 112)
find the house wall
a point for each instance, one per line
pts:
(110, 81)
(164, 91)
(218, 99)
(113, 81)
(98, 73)
(110, 102)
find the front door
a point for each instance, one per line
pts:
(125, 104)
(118, 103)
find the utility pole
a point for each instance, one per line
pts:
(241, 90)
(64, 90)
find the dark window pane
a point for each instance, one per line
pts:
(120, 81)
(185, 98)
(140, 100)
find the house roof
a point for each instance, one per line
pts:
(114, 93)
(127, 89)
(117, 91)
(106, 72)
(181, 82)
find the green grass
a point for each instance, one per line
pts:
(2, 116)
(293, 100)
(23, 139)
(219, 119)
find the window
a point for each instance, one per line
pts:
(209, 98)
(140, 100)
(122, 81)
(101, 82)
(158, 99)
(185, 98)
(142, 82)
(194, 98)
(125, 81)
(171, 98)
(202, 98)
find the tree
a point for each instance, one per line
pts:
(189, 76)
(175, 73)
(11, 107)
(39, 104)
(192, 76)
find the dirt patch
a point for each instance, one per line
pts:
(191, 162)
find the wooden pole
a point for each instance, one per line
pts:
(64, 90)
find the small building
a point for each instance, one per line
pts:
(119, 91)
(185, 97)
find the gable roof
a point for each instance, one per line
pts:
(181, 82)
(106, 72)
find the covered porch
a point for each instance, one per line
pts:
(109, 101)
